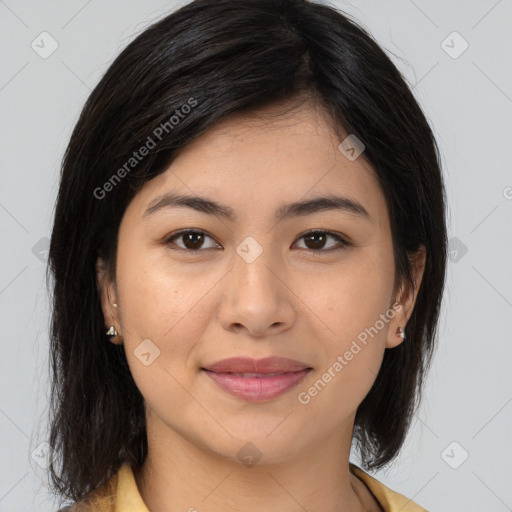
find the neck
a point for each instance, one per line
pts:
(179, 475)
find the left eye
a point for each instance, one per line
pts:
(193, 240)
(319, 237)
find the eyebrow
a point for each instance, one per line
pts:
(287, 211)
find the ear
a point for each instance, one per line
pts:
(403, 303)
(108, 296)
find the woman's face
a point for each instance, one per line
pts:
(254, 288)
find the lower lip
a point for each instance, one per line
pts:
(257, 389)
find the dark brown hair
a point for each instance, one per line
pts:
(229, 57)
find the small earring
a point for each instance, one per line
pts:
(400, 332)
(111, 332)
(114, 304)
(113, 336)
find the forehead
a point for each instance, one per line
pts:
(276, 127)
(265, 159)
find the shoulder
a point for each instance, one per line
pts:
(388, 499)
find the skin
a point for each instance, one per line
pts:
(199, 308)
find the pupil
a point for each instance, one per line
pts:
(190, 238)
(319, 236)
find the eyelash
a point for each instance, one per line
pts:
(317, 252)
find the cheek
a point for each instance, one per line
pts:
(157, 314)
(351, 300)
(163, 314)
(155, 297)
(350, 363)
(353, 305)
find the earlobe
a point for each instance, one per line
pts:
(108, 300)
(113, 336)
(395, 336)
(406, 299)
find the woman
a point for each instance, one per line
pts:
(248, 255)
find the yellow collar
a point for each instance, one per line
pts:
(388, 499)
(129, 499)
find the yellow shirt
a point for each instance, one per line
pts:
(120, 494)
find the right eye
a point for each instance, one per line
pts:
(192, 239)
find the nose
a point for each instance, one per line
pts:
(256, 298)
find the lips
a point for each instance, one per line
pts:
(257, 389)
(266, 366)
(257, 380)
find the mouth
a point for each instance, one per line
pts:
(266, 366)
(255, 386)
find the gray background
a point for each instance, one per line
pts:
(468, 99)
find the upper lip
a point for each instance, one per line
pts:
(248, 365)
